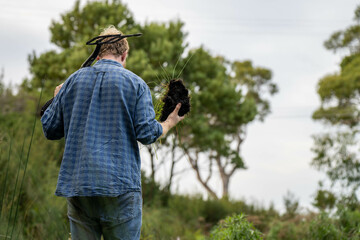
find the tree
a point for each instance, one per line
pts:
(69, 36)
(223, 104)
(155, 57)
(324, 199)
(160, 47)
(223, 101)
(291, 204)
(336, 152)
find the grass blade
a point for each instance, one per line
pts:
(26, 162)
(16, 182)
(6, 176)
(186, 63)
(173, 75)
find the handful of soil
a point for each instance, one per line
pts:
(177, 93)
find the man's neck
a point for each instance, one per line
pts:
(112, 57)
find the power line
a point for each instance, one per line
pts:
(14, 10)
(308, 116)
(290, 117)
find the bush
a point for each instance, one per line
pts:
(162, 224)
(294, 229)
(33, 213)
(324, 228)
(214, 210)
(189, 208)
(349, 221)
(235, 228)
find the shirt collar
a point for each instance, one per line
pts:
(108, 61)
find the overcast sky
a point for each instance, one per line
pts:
(284, 36)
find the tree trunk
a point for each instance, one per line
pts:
(225, 182)
(204, 183)
(173, 162)
(224, 176)
(152, 163)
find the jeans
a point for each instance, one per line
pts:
(113, 217)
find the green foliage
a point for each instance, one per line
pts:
(217, 103)
(214, 210)
(293, 229)
(324, 227)
(206, 213)
(199, 214)
(152, 193)
(339, 91)
(336, 151)
(189, 217)
(161, 45)
(324, 200)
(255, 82)
(156, 53)
(79, 24)
(235, 228)
(223, 104)
(291, 205)
(192, 227)
(189, 208)
(349, 220)
(32, 210)
(70, 33)
(344, 224)
(153, 227)
(336, 154)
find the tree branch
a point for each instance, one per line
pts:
(194, 164)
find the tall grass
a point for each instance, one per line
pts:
(26, 163)
(13, 204)
(6, 178)
(13, 196)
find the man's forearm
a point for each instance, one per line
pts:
(166, 126)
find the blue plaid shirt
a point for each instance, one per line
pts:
(102, 111)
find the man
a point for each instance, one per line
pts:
(102, 111)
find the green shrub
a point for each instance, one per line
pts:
(295, 229)
(324, 228)
(215, 210)
(189, 208)
(349, 222)
(162, 224)
(235, 228)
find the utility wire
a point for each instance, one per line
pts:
(353, 115)
(9, 9)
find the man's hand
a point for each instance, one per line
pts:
(172, 120)
(57, 89)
